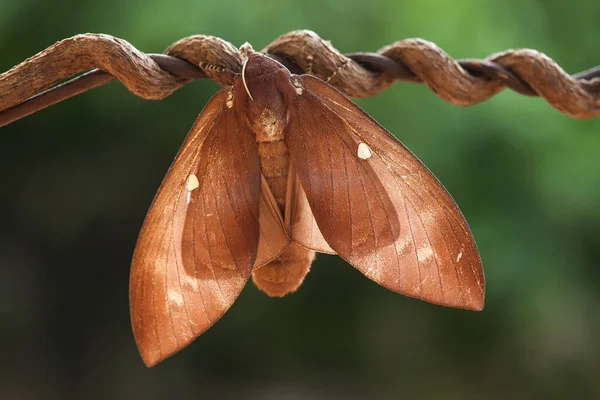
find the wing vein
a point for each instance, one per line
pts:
(441, 203)
(223, 229)
(455, 264)
(459, 241)
(158, 341)
(414, 243)
(194, 219)
(435, 255)
(212, 266)
(349, 204)
(479, 286)
(177, 266)
(387, 218)
(166, 275)
(362, 184)
(332, 206)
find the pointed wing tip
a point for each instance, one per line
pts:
(152, 357)
(150, 362)
(152, 352)
(476, 304)
(149, 357)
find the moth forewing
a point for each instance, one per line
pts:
(194, 257)
(377, 205)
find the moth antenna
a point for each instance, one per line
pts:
(286, 68)
(244, 79)
(245, 50)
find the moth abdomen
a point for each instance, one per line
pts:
(286, 273)
(274, 164)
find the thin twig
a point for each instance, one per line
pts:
(28, 87)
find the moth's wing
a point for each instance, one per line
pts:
(299, 219)
(199, 241)
(273, 236)
(387, 214)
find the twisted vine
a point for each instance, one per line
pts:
(28, 86)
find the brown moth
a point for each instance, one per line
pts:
(276, 168)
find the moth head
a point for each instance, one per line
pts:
(257, 65)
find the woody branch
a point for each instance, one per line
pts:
(32, 84)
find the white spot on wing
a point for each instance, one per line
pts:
(402, 245)
(192, 182)
(424, 253)
(188, 281)
(459, 256)
(364, 151)
(175, 297)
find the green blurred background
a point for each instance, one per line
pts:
(76, 181)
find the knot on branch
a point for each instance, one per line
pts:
(156, 76)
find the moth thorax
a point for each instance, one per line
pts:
(268, 126)
(285, 274)
(267, 105)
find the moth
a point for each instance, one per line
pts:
(276, 168)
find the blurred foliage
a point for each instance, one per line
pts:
(78, 177)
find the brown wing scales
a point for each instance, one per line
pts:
(382, 210)
(200, 239)
(299, 219)
(273, 235)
